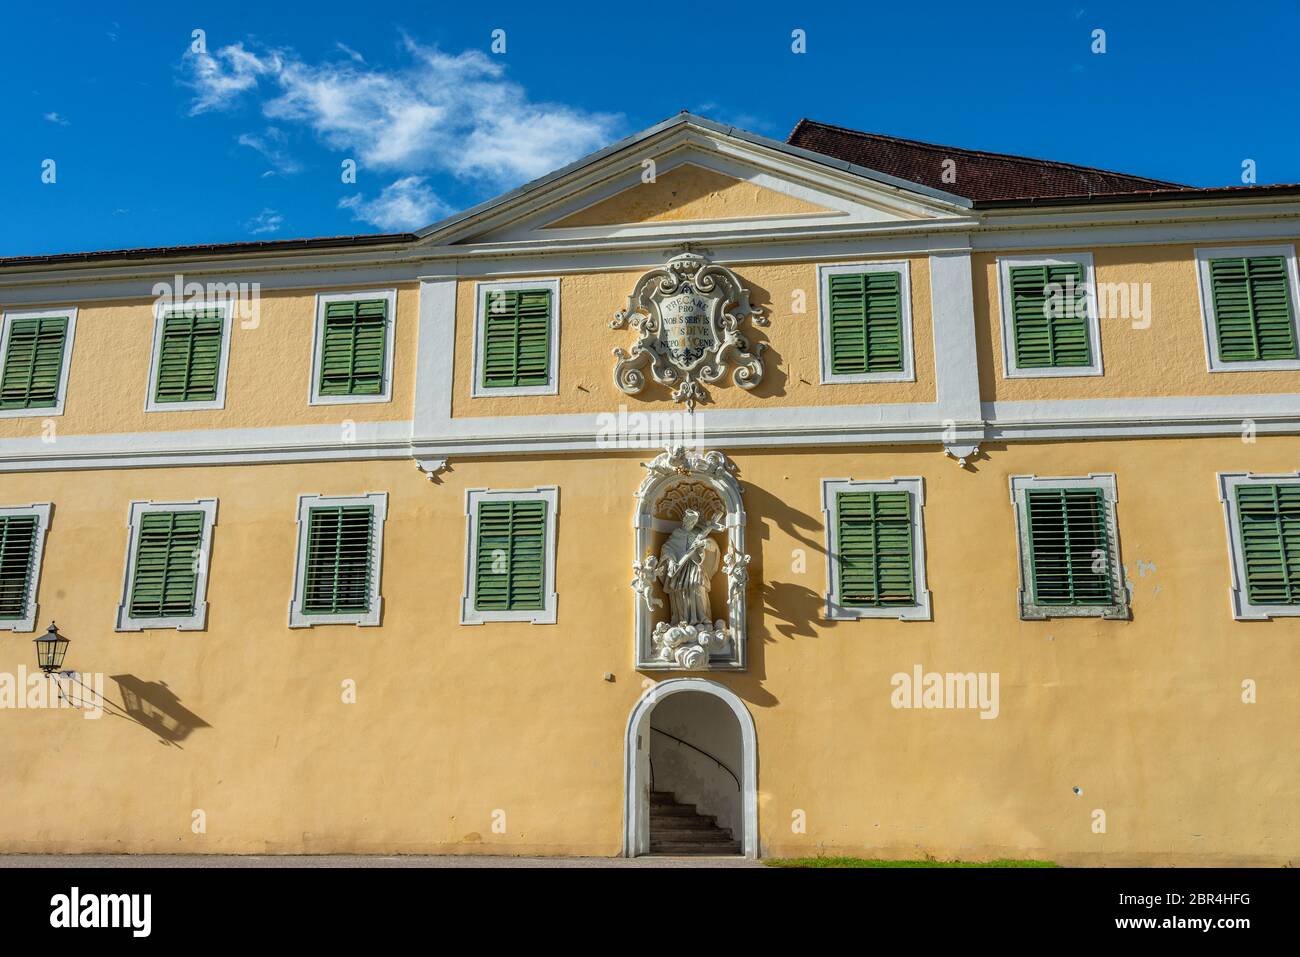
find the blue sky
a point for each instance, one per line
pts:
(156, 144)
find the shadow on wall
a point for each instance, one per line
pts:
(155, 706)
(790, 607)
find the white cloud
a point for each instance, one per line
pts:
(267, 221)
(271, 144)
(352, 54)
(219, 79)
(55, 118)
(407, 203)
(440, 113)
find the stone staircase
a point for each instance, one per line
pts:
(678, 829)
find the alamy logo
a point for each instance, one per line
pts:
(68, 689)
(954, 690)
(103, 910)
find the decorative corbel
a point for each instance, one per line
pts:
(431, 467)
(961, 453)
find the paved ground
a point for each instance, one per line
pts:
(350, 860)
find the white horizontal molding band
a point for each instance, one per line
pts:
(334, 270)
(306, 443)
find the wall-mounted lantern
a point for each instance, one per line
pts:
(50, 649)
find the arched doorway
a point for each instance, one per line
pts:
(702, 742)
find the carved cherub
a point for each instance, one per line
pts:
(736, 567)
(645, 573)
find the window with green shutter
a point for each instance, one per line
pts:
(516, 338)
(337, 576)
(1269, 517)
(1252, 309)
(167, 557)
(17, 548)
(866, 323)
(353, 348)
(33, 362)
(189, 355)
(510, 555)
(1069, 547)
(875, 549)
(1049, 316)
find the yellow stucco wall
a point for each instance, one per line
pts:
(1166, 358)
(689, 192)
(793, 375)
(453, 723)
(268, 380)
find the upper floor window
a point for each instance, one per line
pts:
(1263, 519)
(36, 348)
(510, 568)
(875, 549)
(1248, 304)
(353, 352)
(516, 337)
(866, 322)
(1049, 316)
(167, 565)
(1069, 547)
(340, 554)
(22, 540)
(191, 349)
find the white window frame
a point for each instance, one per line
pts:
(915, 487)
(9, 318)
(1009, 368)
(196, 621)
(161, 310)
(824, 273)
(469, 615)
(1209, 322)
(318, 342)
(481, 292)
(1243, 609)
(379, 502)
(42, 512)
(1029, 610)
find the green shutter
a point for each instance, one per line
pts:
(33, 363)
(1069, 548)
(352, 352)
(875, 549)
(510, 556)
(340, 544)
(189, 356)
(866, 323)
(165, 581)
(1252, 309)
(1049, 332)
(17, 547)
(516, 338)
(1269, 516)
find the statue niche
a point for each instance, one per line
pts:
(689, 528)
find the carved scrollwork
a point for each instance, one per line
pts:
(689, 315)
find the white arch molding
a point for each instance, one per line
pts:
(636, 764)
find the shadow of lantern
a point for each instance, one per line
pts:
(154, 705)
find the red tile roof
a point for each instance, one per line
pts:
(979, 175)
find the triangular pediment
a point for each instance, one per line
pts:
(690, 193)
(691, 178)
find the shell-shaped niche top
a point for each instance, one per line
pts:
(686, 495)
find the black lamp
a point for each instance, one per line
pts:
(50, 649)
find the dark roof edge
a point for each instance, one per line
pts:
(1146, 196)
(205, 249)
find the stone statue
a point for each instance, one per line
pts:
(688, 561)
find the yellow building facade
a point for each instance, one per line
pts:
(381, 545)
